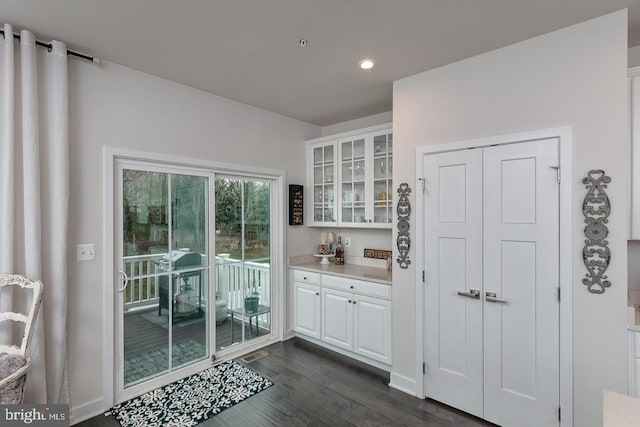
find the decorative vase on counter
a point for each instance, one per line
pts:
(339, 257)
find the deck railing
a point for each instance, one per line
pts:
(235, 279)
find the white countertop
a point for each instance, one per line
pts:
(620, 410)
(351, 271)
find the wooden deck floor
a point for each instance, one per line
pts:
(316, 387)
(144, 333)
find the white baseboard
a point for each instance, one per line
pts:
(403, 384)
(86, 410)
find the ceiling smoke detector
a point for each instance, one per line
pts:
(303, 42)
(367, 63)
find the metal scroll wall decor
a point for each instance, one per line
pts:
(403, 241)
(596, 253)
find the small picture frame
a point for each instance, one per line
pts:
(296, 204)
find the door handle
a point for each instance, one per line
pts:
(491, 297)
(473, 293)
(124, 280)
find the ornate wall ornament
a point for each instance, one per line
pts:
(403, 241)
(596, 253)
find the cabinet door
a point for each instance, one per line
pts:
(353, 181)
(307, 309)
(337, 318)
(372, 328)
(322, 174)
(381, 195)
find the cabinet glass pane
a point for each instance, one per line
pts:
(317, 194)
(328, 193)
(328, 154)
(380, 145)
(358, 168)
(317, 156)
(347, 195)
(328, 173)
(347, 172)
(346, 151)
(317, 175)
(358, 149)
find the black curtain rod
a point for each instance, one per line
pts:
(48, 46)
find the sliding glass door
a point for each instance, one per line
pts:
(173, 312)
(164, 268)
(243, 259)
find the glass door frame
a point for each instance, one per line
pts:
(122, 393)
(111, 279)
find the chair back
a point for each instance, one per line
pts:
(27, 318)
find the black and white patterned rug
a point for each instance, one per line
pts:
(191, 400)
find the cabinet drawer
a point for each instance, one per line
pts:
(306, 277)
(357, 286)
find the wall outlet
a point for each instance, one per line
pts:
(86, 252)
(346, 241)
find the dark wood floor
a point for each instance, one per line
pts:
(316, 387)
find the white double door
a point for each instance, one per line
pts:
(492, 278)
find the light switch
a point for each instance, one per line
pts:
(86, 252)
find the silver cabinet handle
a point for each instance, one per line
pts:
(124, 280)
(491, 297)
(473, 293)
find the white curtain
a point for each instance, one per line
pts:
(34, 197)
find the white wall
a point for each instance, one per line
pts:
(115, 106)
(575, 76)
(363, 122)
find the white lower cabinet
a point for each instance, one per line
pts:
(337, 318)
(355, 316)
(372, 328)
(306, 296)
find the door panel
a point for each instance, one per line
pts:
(337, 318)
(307, 306)
(492, 225)
(162, 316)
(521, 335)
(453, 233)
(372, 329)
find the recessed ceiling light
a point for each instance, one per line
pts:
(367, 64)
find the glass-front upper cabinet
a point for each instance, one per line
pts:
(323, 182)
(357, 167)
(353, 181)
(382, 178)
(365, 179)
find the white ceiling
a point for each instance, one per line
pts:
(248, 50)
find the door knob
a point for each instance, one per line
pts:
(473, 293)
(491, 297)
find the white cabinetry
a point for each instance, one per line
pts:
(337, 318)
(306, 317)
(321, 180)
(355, 316)
(362, 172)
(634, 363)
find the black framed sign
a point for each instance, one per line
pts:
(296, 204)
